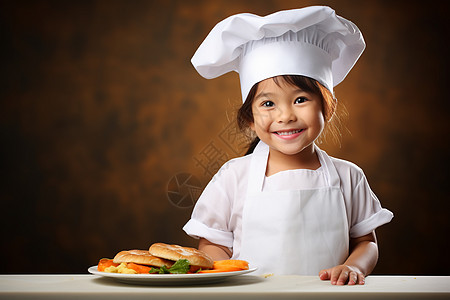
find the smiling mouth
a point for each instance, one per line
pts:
(290, 132)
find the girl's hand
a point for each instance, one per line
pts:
(361, 261)
(342, 274)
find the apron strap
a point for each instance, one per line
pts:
(329, 168)
(258, 167)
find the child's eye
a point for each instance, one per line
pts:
(267, 104)
(300, 100)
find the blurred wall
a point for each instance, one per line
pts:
(108, 134)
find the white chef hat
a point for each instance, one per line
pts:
(311, 41)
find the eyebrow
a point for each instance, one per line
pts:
(270, 95)
(263, 94)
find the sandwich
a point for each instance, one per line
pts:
(163, 258)
(160, 258)
(196, 259)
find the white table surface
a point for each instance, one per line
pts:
(242, 287)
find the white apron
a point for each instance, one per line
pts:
(294, 231)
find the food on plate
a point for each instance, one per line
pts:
(196, 258)
(181, 266)
(167, 259)
(142, 257)
(227, 265)
(132, 262)
(105, 263)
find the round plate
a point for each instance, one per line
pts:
(169, 279)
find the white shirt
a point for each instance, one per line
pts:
(217, 215)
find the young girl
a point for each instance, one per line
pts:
(288, 207)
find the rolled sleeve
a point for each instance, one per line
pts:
(367, 213)
(196, 229)
(368, 225)
(212, 213)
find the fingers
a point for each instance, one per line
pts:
(325, 274)
(342, 276)
(339, 277)
(352, 278)
(361, 279)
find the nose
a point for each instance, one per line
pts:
(286, 115)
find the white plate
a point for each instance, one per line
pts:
(169, 279)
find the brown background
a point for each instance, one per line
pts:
(101, 109)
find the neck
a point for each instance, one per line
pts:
(306, 159)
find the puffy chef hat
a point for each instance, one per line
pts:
(311, 41)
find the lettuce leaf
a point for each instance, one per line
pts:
(154, 270)
(181, 266)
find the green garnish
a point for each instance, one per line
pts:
(181, 266)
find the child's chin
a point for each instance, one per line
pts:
(290, 150)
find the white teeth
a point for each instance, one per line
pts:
(288, 132)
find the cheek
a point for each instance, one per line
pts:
(316, 119)
(260, 119)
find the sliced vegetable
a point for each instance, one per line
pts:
(241, 264)
(228, 265)
(140, 269)
(219, 270)
(105, 263)
(181, 266)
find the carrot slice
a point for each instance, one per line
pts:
(223, 269)
(140, 269)
(227, 265)
(105, 263)
(235, 263)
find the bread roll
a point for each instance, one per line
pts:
(142, 257)
(195, 257)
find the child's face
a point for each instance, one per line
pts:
(286, 118)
